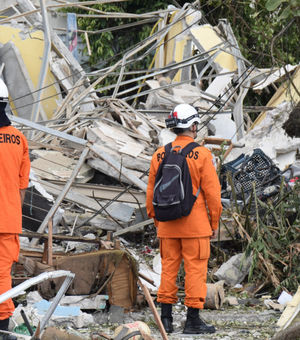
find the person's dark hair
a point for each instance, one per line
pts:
(4, 121)
(177, 131)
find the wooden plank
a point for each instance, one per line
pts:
(146, 278)
(132, 149)
(218, 142)
(62, 194)
(50, 243)
(154, 311)
(141, 116)
(58, 238)
(78, 142)
(38, 145)
(132, 228)
(117, 210)
(88, 43)
(128, 131)
(104, 192)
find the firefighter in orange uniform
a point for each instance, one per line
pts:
(187, 238)
(14, 178)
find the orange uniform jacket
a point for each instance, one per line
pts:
(202, 171)
(14, 175)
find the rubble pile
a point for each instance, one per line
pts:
(84, 214)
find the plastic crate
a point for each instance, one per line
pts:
(258, 169)
(230, 167)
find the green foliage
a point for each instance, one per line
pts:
(254, 27)
(109, 47)
(255, 24)
(271, 5)
(275, 247)
(293, 8)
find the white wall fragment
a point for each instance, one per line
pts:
(270, 137)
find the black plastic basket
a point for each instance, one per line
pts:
(258, 169)
(230, 168)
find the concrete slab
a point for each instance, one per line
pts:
(230, 271)
(85, 302)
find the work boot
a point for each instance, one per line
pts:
(194, 324)
(166, 317)
(4, 327)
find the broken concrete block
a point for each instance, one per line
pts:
(276, 306)
(116, 314)
(230, 271)
(85, 302)
(54, 333)
(33, 297)
(166, 136)
(232, 301)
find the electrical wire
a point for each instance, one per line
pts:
(251, 67)
(111, 201)
(111, 58)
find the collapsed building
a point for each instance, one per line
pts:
(90, 155)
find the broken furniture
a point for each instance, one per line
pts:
(65, 283)
(107, 271)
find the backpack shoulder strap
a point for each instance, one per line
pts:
(186, 150)
(168, 148)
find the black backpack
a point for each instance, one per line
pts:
(173, 192)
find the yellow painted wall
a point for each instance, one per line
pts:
(208, 38)
(32, 50)
(285, 92)
(173, 52)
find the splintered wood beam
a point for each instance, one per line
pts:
(50, 243)
(131, 228)
(146, 278)
(153, 309)
(60, 237)
(88, 43)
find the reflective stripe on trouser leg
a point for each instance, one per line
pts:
(9, 253)
(195, 252)
(171, 257)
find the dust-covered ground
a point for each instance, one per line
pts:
(232, 322)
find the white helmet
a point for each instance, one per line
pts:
(182, 117)
(3, 92)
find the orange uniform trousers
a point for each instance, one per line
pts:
(9, 253)
(195, 253)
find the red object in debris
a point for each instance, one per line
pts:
(147, 250)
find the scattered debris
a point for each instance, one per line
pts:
(84, 212)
